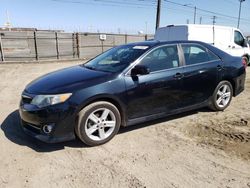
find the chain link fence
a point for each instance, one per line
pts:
(40, 45)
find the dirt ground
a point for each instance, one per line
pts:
(195, 149)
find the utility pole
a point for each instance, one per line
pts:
(194, 14)
(200, 19)
(195, 10)
(241, 1)
(214, 19)
(158, 15)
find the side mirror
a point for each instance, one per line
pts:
(245, 43)
(139, 70)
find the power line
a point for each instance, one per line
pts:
(191, 12)
(149, 4)
(207, 11)
(230, 1)
(142, 4)
(108, 2)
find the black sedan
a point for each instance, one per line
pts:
(127, 85)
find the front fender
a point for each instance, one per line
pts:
(112, 91)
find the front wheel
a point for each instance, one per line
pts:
(246, 61)
(222, 96)
(98, 123)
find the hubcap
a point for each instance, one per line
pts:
(223, 96)
(100, 124)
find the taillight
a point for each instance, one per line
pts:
(244, 62)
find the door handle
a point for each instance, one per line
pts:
(202, 71)
(219, 67)
(178, 76)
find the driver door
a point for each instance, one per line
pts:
(158, 92)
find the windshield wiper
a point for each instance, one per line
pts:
(93, 68)
(89, 67)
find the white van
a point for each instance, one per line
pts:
(228, 39)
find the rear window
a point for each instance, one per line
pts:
(195, 54)
(161, 58)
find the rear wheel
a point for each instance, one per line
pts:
(98, 123)
(246, 60)
(222, 96)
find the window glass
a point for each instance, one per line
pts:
(196, 54)
(238, 38)
(165, 57)
(116, 59)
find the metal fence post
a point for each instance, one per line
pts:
(102, 46)
(57, 46)
(1, 47)
(78, 45)
(73, 45)
(35, 43)
(126, 38)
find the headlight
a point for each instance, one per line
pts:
(47, 100)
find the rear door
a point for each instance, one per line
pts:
(201, 74)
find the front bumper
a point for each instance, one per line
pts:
(61, 117)
(47, 138)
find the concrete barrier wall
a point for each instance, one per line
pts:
(29, 45)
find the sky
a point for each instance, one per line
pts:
(120, 16)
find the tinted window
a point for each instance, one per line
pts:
(238, 38)
(165, 57)
(196, 54)
(116, 59)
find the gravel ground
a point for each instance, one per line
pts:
(195, 149)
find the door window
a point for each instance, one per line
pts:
(195, 54)
(238, 38)
(164, 57)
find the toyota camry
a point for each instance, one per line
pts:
(127, 85)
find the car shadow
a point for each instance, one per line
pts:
(11, 127)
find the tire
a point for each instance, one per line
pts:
(98, 123)
(222, 96)
(246, 60)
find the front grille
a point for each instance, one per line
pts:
(26, 99)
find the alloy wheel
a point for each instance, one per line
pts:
(223, 96)
(100, 124)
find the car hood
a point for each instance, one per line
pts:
(66, 80)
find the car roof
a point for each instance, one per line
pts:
(153, 43)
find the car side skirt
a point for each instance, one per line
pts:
(165, 114)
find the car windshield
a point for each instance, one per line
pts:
(116, 59)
